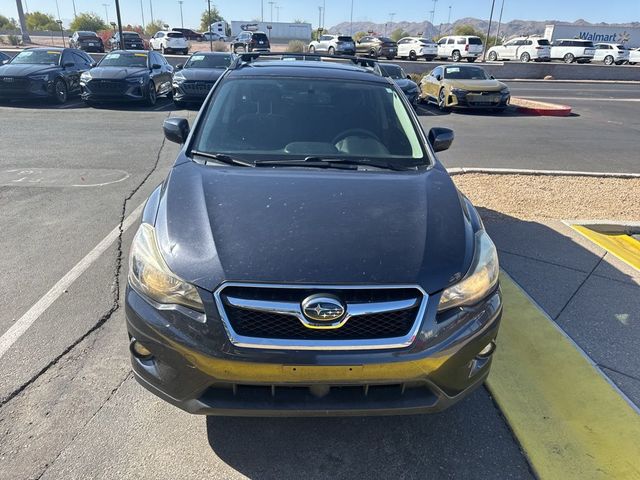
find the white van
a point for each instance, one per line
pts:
(458, 47)
(572, 50)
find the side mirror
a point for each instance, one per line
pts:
(438, 77)
(176, 129)
(4, 62)
(408, 77)
(492, 77)
(156, 66)
(93, 64)
(68, 64)
(180, 66)
(439, 138)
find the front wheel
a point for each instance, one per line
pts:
(471, 59)
(60, 91)
(493, 56)
(412, 56)
(569, 58)
(373, 54)
(312, 49)
(442, 101)
(162, 49)
(525, 57)
(152, 95)
(455, 56)
(608, 60)
(332, 51)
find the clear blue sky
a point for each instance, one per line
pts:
(339, 10)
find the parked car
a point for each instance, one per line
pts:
(132, 41)
(189, 34)
(213, 36)
(4, 58)
(87, 41)
(610, 53)
(374, 47)
(127, 76)
(460, 47)
(634, 56)
(308, 254)
(572, 50)
(524, 49)
(333, 45)
(464, 86)
(414, 48)
(193, 81)
(400, 77)
(44, 73)
(250, 42)
(169, 42)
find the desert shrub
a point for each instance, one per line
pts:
(296, 46)
(220, 47)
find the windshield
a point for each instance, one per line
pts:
(543, 41)
(465, 73)
(87, 34)
(345, 39)
(132, 60)
(209, 61)
(39, 57)
(131, 36)
(292, 118)
(393, 71)
(385, 40)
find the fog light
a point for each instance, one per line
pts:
(488, 350)
(139, 351)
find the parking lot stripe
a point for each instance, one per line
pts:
(571, 422)
(584, 99)
(621, 246)
(12, 335)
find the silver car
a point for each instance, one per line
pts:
(333, 45)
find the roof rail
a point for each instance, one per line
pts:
(246, 58)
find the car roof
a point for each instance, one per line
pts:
(128, 51)
(306, 68)
(213, 54)
(49, 49)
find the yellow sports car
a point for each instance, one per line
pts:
(463, 86)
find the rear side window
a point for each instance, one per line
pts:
(345, 39)
(175, 35)
(543, 42)
(461, 41)
(260, 37)
(475, 41)
(451, 41)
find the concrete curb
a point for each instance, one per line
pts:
(596, 82)
(556, 173)
(535, 107)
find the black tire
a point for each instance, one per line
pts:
(373, 54)
(152, 96)
(185, 51)
(331, 51)
(60, 91)
(455, 56)
(493, 57)
(441, 101)
(569, 58)
(471, 59)
(312, 49)
(525, 57)
(608, 60)
(412, 56)
(429, 59)
(390, 57)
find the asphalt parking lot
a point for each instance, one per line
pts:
(71, 175)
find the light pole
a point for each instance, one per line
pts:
(151, 9)
(319, 17)
(209, 22)
(59, 22)
(106, 11)
(449, 18)
(278, 7)
(142, 13)
(324, 12)
(499, 23)
(73, 2)
(23, 24)
(181, 17)
(123, 45)
(484, 54)
(262, 10)
(271, 5)
(351, 20)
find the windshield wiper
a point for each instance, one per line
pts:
(358, 162)
(311, 162)
(222, 158)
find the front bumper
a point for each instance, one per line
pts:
(21, 88)
(195, 367)
(191, 91)
(476, 100)
(112, 90)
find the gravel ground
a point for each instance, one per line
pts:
(535, 197)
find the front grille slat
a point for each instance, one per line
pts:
(107, 86)
(198, 88)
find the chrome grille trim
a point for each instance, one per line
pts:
(293, 309)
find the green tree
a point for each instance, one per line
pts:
(358, 35)
(206, 20)
(399, 33)
(152, 27)
(41, 21)
(466, 30)
(7, 23)
(88, 21)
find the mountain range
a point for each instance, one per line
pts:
(507, 29)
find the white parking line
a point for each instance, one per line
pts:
(12, 335)
(585, 99)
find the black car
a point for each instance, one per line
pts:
(132, 41)
(400, 77)
(87, 41)
(193, 81)
(190, 35)
(308, 254)
(248, 41)
(374, 47)
(4, 58)
(44, 73)
(131, 75)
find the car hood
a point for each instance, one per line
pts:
(485, 85)
(115, 73)
(218, 224)
(406, 84)
(201, 74)
(23, 70)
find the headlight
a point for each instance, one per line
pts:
(481, 278)
(459, 92)
(39, 78)
(85, 77)
(150, 276)
(139, 80)
(178, 79)
(504, 90)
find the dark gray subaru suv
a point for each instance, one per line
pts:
(309, 255)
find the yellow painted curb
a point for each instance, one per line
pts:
(622, 246)
(571, 423)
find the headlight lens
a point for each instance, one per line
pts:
(39, 77)
(85, 77)
(481, 278)
(139, 80)
(458, 92)
(150, 276)
(504, 90)
(178, 79)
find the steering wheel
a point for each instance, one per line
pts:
(355, 132)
